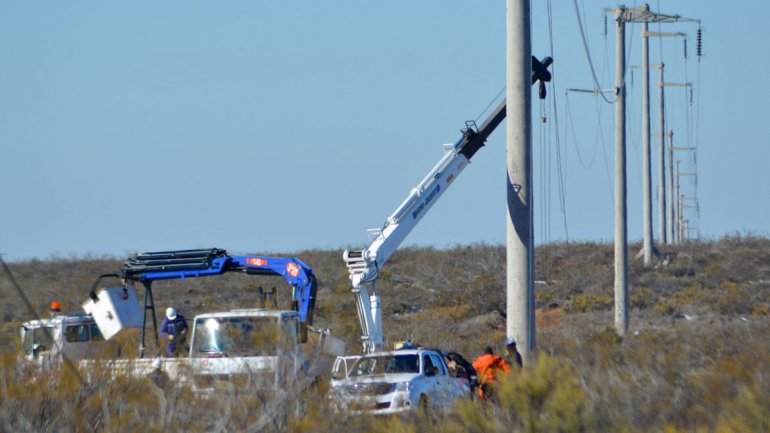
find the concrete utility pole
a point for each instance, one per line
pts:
(625, 15)
(520, 292)
(677, 206)
(672, 206)
(662, 161)
(644, 16)
(662, 227)
(621, 225)
(689, 203)
(647, 245)
(682, 227)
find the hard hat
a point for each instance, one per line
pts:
(510, 341)
(55, 306)
(171, 313)
(157, 363)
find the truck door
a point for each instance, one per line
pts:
(431, 373)
(82, 340)
(444, 389)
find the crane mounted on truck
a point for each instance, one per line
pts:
(364, 265)
(146, 268)
(259, 343)
(266, 342)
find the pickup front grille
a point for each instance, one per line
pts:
(369, 388)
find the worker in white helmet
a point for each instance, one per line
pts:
(514, 357)
(174, 329)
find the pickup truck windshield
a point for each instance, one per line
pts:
(243, 336)
(386, 364)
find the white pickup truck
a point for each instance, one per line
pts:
(397, 381)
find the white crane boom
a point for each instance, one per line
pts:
(364, 265)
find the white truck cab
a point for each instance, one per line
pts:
(246, 344)
(244, 332)
(45, 340)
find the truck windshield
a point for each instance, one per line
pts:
(243, 336)
(386, 364)
(36, 340)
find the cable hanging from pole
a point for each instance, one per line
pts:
(588, 53)
(561, 176)
(490, 104)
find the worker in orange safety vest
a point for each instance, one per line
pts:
(488, 366)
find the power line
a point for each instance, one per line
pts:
(561, 175)
(588, 53)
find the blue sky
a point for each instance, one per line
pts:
(281, 126)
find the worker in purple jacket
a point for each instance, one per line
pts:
(174, 329)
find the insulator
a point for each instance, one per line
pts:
(685, 48)
(699, 46)
(605, 26)
(691, 96)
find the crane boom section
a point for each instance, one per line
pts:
(420, 199)
(364, 265)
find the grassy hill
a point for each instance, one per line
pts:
(693, 360)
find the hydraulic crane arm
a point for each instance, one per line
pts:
(364, 265)
(165, 265)
(182, 264)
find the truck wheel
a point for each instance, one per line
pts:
(423, 404)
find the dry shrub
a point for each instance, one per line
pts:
(760, 310)
(545, 397)
(587, 303)
(641, 299)
(547, 319)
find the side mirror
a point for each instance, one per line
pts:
(339, 371)
(37, 349)
(431, 371)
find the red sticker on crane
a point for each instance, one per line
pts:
(292, 269)
(256, 261)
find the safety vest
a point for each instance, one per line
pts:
(488, 365)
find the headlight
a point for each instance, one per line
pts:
(403, 386)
